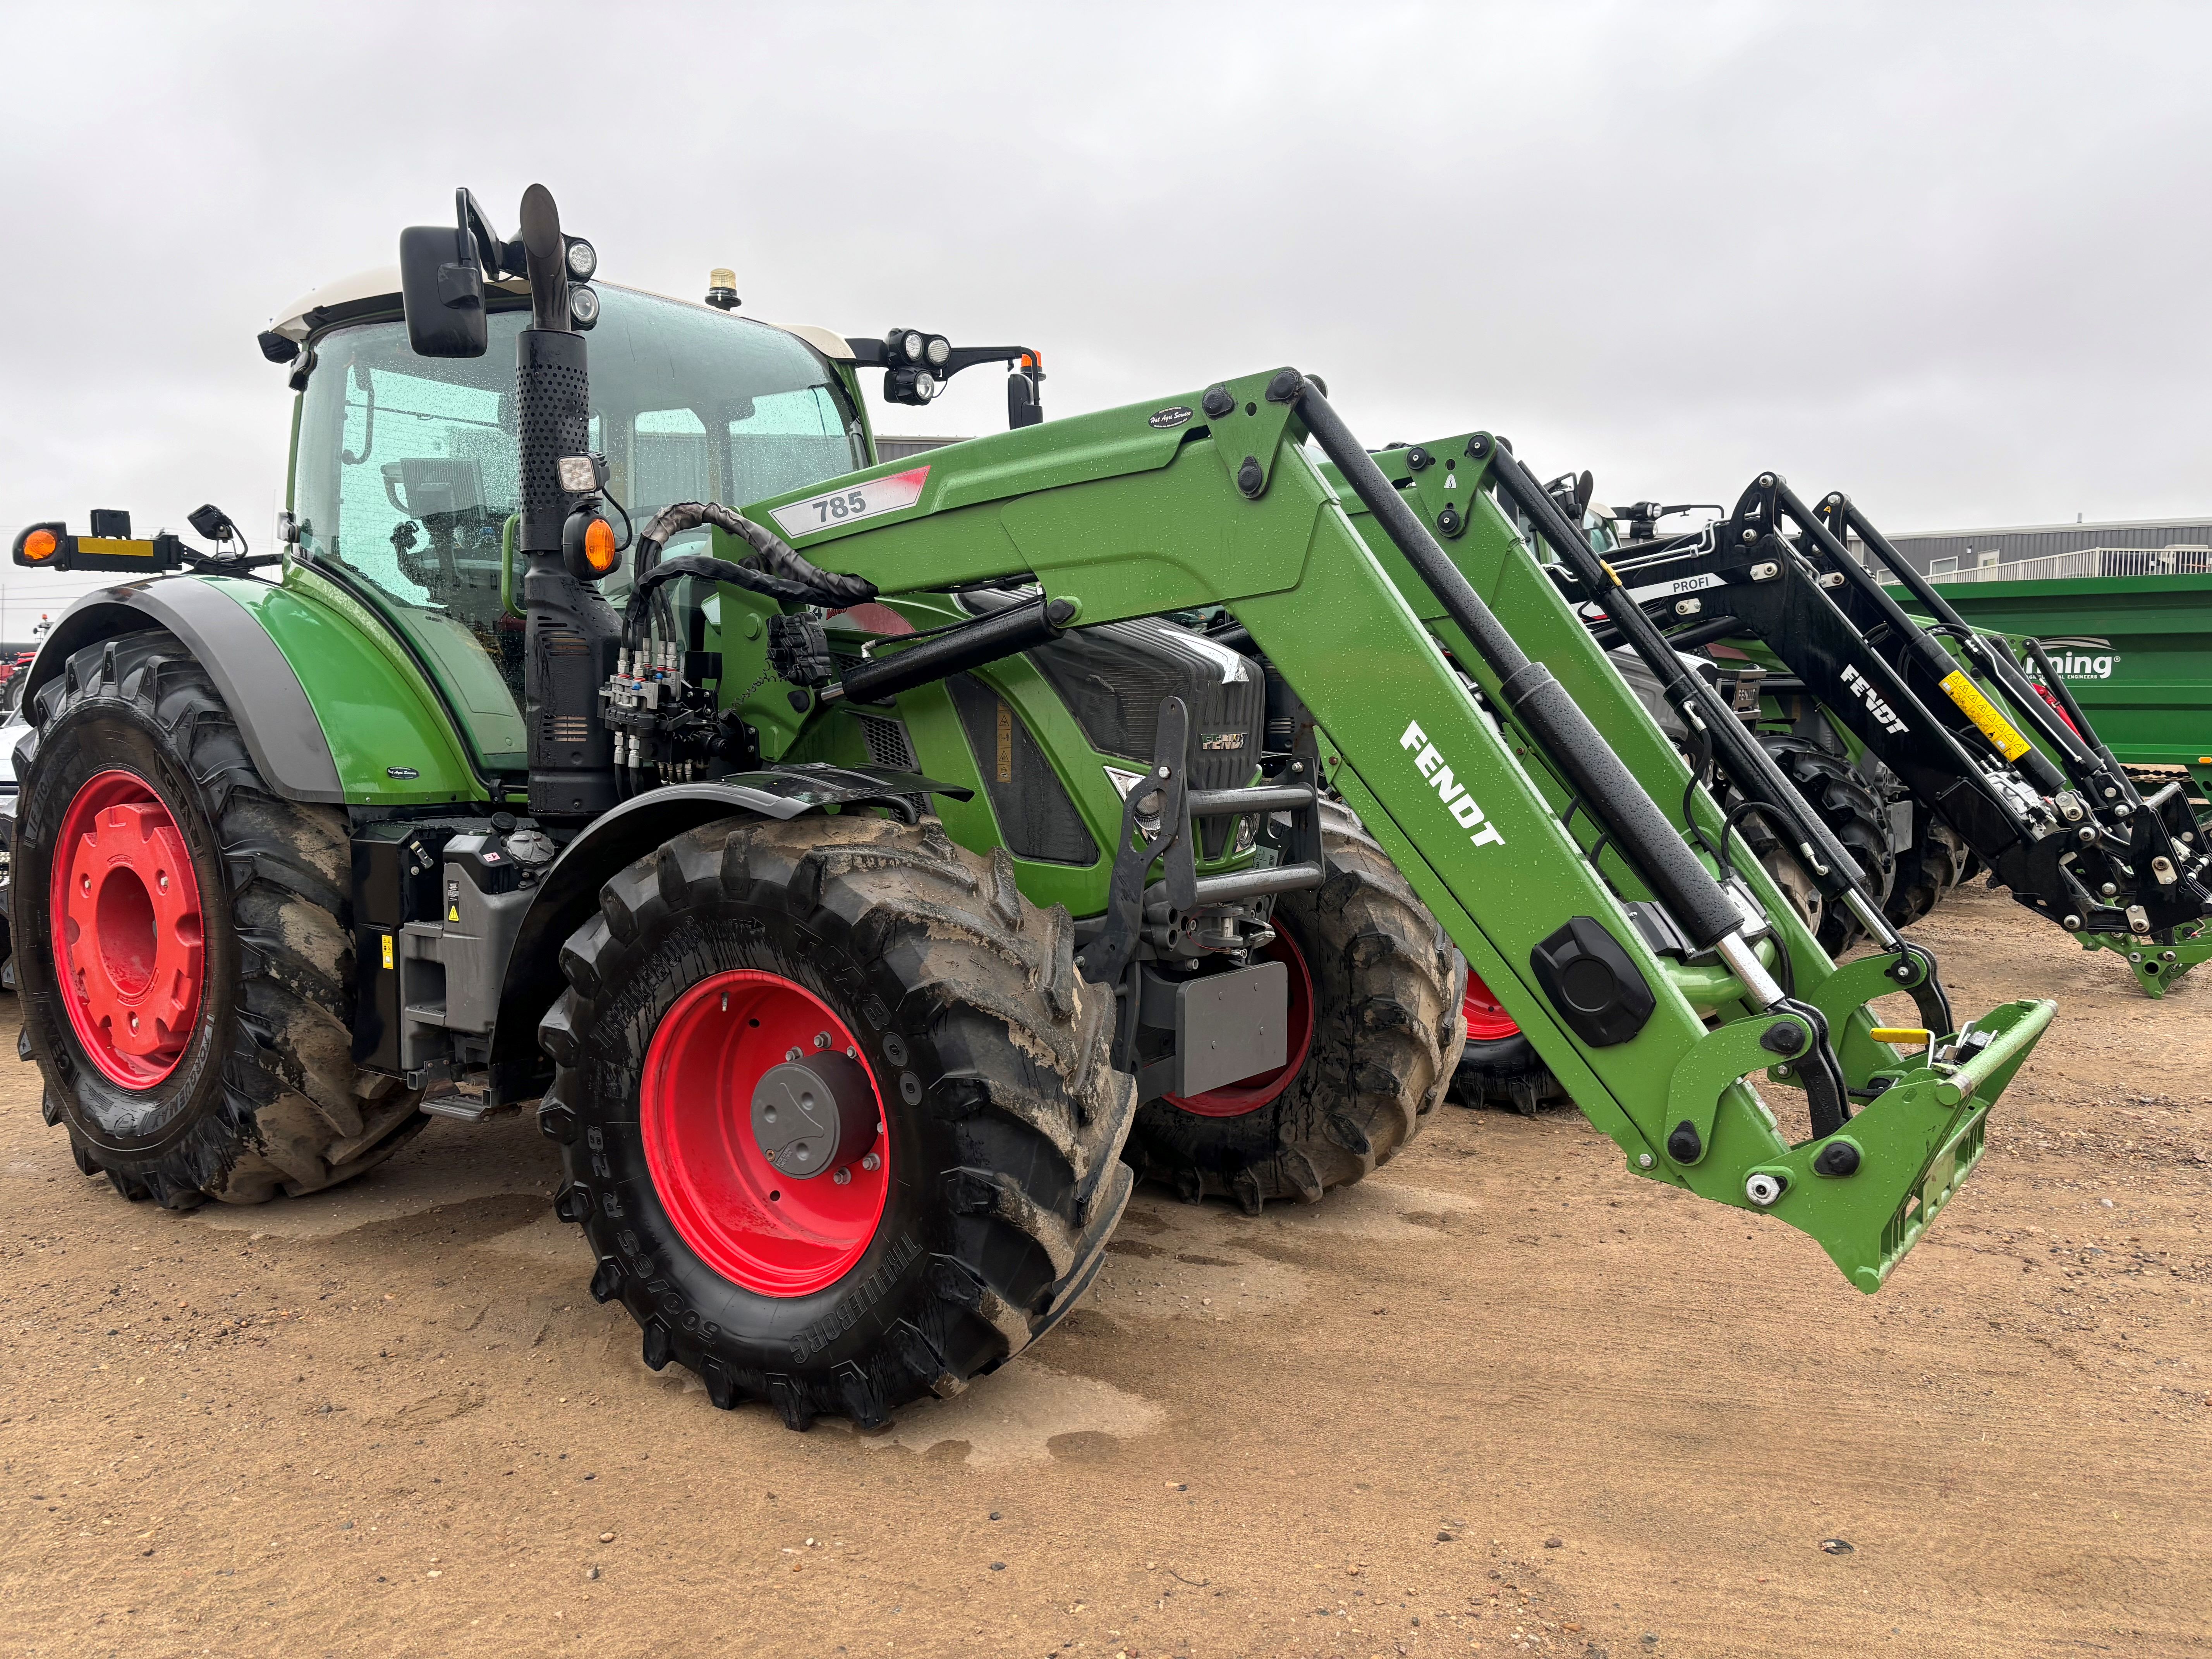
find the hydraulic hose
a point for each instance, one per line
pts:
(773, 568)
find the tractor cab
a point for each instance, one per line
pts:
(405, 483)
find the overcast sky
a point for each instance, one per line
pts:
(1953, 258)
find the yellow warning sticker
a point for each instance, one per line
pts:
(1980, 709)
(388, 950)
(453, 912)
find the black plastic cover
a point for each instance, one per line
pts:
(1593, 982)
(1027, 797)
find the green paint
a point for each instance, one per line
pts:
(2148, 688)
(1130, 520)
(377, 709)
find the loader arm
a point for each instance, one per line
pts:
(2097, 867)
(1132, 511)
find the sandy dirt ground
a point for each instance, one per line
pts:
(1502, 1398)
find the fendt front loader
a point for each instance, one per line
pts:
(2021, 778)
(1670, 723)
(838, 888)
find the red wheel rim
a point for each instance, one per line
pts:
(1251, 1094)
(128, 938)
(770, 1232)
(1487, 1019)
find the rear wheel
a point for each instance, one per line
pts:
(187, 982)
(1499, 1066)
(1376, 989)
(837, 1115)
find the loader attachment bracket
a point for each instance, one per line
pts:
(1248, 436)
(2157, 962)
(1157, 802)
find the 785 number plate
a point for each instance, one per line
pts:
(840, 507)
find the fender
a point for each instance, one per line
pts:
(329, 712)
(570, 893)
(277, 721)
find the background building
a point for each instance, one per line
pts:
(2114, 547)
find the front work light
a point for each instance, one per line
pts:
(583, 307)
(940, 350)
(583, 260)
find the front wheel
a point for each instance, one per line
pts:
(1374, 1033)
(837, 1115)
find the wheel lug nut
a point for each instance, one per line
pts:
(843, 1177)
(821, 1039)
(872, 1163)
(794, 1055)
(161, 880)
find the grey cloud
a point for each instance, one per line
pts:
(1948, 256)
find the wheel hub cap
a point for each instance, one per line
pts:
(128, 940)
(764, 1132)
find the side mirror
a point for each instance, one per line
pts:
(441, 282)
(1025, 407)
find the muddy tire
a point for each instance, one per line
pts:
(196, 1037)
(1936, 862)
(974, 1207)
(1387, 984)
(1849, 810)
(1505, 1072)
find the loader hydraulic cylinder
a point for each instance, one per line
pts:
(988, 639)
(1705, 914)
(1831, 867)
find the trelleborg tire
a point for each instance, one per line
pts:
(906, 982)
(196, 1036)
(1381, 985)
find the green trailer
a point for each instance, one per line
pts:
(2135, 651)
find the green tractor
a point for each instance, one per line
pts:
(862, 886)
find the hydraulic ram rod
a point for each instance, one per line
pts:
(1541, 703)
(1746, 761)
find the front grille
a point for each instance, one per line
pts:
(887, 741)
(1114, 678)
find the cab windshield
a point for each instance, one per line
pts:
(405, 472)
